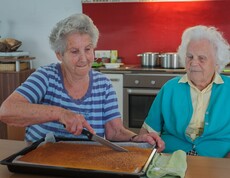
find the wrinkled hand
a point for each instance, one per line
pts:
(74, 123)
(152, 138)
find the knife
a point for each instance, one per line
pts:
(103, 141)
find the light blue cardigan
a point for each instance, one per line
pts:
(172, 110)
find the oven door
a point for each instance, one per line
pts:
(137, 102)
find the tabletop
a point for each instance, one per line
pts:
(197, 166)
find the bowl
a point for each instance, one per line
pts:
(112, 65)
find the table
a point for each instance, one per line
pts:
(198, 167)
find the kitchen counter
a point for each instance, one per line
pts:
(139, 69)
(197, 166)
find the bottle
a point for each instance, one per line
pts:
(113, 56)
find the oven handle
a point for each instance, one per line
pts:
(142, 91)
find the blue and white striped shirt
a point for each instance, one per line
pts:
(45, 86)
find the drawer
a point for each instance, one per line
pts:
(146, 80)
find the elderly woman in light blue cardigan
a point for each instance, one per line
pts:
(191, 112)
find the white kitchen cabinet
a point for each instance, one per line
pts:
(117, 82)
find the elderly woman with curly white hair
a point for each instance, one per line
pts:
(190, 112)
(64, 97)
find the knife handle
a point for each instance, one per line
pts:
(87, 133)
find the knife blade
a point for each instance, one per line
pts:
(103, 141)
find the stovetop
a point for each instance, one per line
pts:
(138, 68)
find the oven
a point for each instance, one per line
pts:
(140, 90)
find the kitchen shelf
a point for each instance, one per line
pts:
(15, 63)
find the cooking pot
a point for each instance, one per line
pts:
(170, 60)
(149, 59)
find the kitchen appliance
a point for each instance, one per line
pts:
(103, 141)
(149, 59)
(170, 60)
(140, 90)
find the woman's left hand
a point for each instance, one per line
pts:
(152, 138)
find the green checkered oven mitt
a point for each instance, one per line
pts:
(168, 166)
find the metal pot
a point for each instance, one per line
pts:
(149, 59)
(170, 60)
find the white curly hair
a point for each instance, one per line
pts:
(76, 23)
(211, 34)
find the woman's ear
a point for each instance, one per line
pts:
(59, 56)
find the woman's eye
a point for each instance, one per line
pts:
(74, 51)
(89, 50)
(90, 47)
(190, 57)
(201, 58)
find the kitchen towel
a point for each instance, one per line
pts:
(168, 166)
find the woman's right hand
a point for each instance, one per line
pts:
(74, 123)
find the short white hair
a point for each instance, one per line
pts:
(76, 23)
(211, 34)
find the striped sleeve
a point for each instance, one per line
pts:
(103, 87)
(34, 88)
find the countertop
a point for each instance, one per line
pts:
(197, 166)
(138, 69)
(123, 69)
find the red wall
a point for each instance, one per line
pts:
(134, 28)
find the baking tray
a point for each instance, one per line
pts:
(67, 172)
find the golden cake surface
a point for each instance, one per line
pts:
(88, 156)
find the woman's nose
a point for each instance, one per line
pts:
(82, 56)
(195, 61)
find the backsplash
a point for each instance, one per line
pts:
(133, 28)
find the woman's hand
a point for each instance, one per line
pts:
(152, 138)
(74, 123)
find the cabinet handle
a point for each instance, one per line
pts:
(153, 82)
(136, 82)
(115, 80)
